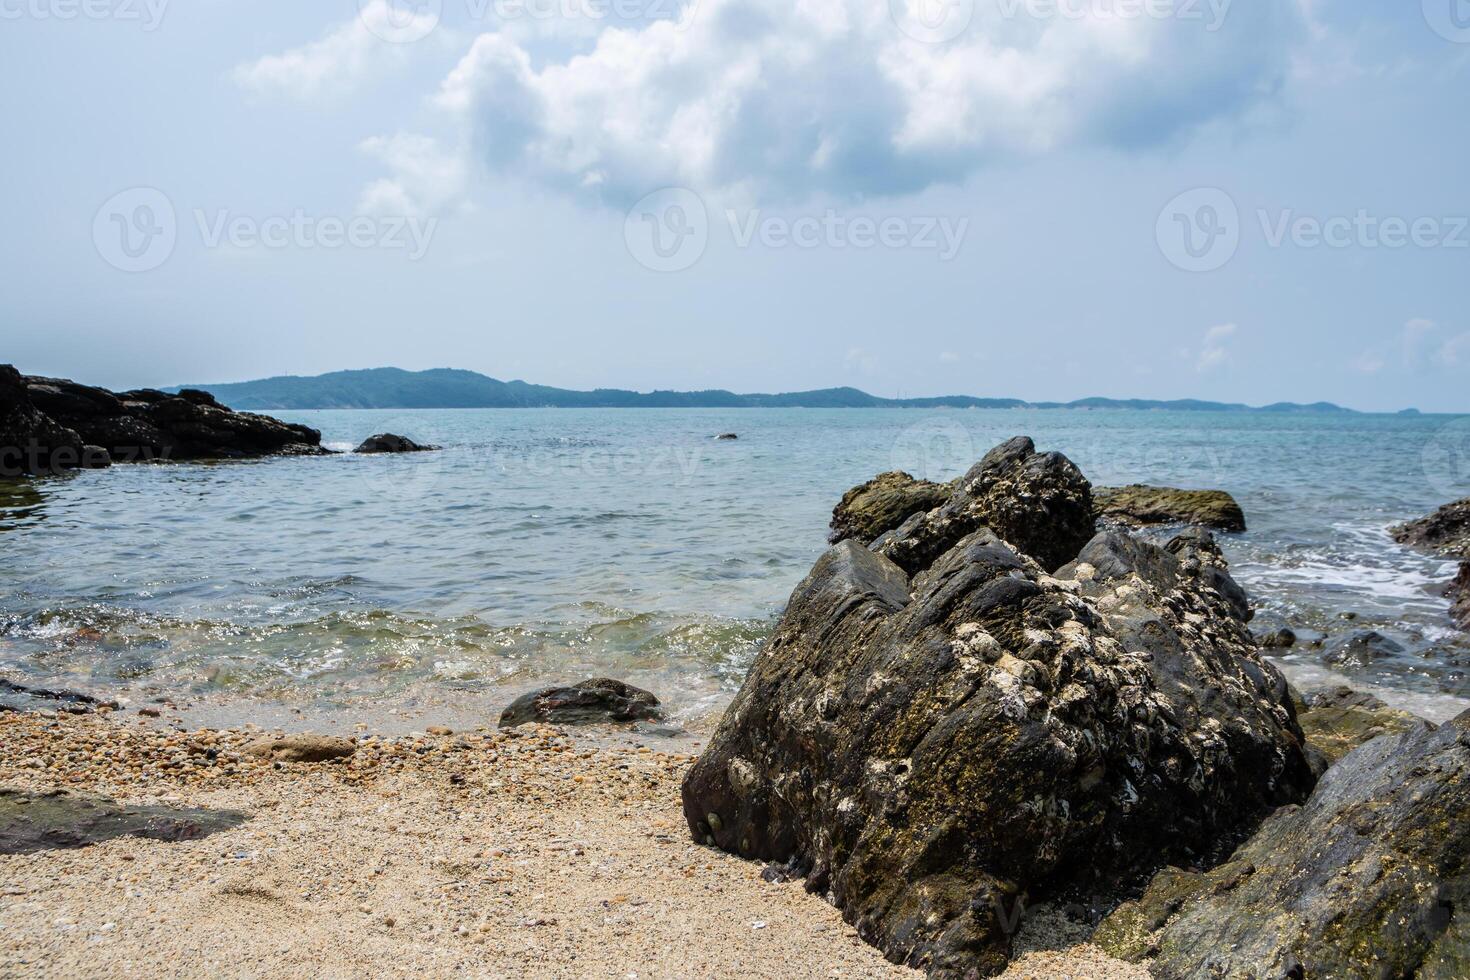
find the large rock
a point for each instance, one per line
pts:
(1361, 649)
(882, 504)
(1143, 506)
(600, 699)
(79, 425)
(32, 822)
(1445, 532)
(387, 442)
(1039, 503)
(931, 749)
(301, 747)
(1369, 879)
(1458, 592)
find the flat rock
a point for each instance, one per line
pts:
(931, 749)
(1337, 720)
(387, 442)
(1362, 648)
(600, 699)
(304, 747)
(1142, 506)
(882, 504)
(18, 697)
(1369, 878)
(59, 820)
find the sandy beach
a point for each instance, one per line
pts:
(525, 853)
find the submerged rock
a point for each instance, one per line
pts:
(932, 749)
(1280, 638)
(58, 820)
(304, 747)
(1445, 532)
(1039, 503)
(1338, 719)
(882, 504)
(18, 697)
(1142, 506)
(1367, 879)
(48, 425)
(727, 436)
(601, 699)
(387, 442)
(1362, 648)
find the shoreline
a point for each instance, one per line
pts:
(527, 851)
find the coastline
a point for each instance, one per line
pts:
(503, 854)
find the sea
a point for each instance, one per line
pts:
(545, 546)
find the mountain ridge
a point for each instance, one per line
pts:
(396, 388)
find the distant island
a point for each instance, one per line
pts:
(451, 388)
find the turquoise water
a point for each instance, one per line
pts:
(549, 545)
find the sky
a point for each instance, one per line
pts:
(1239, 200)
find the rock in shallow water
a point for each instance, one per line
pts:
(387, 442)
(1370, 878)
(1445, 532)
(49, 821)
(1337, 720)
(1143, 506)
(1362, 648)
(601, 699)
(934, 748)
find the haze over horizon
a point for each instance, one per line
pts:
(1015, 209)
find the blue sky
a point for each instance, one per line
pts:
(1044, 199)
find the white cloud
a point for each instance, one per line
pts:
(426, 178)
(346, 58)
(949, 357)
(785, 100)
(1454, 352)
(1213, 352)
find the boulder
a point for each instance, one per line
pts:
(1280, 638)
(601, 699)
(58, 424)
(31, 822)
(1445, 532)
(1038, 503)
(387, 442)
(1362, 648)
(882, 504)
(932, 748)
(1370, 878)
(304, 747)
(1338, 719)
(727, 436)
(1142, 506)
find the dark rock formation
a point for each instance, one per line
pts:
(1142, 506)
(1362, 648)
(17, 697)
(1458, 592)
(931, 749)
(387, 442)
(727, 436)
(48, 425)
(882, 504)
(1338, 719)
(1039, 503)
(1370, 878)
(1280, 638)
(301, 747)
(48, 821)
(589, 702)
(1445, 532)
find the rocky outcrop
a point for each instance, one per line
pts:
(1337, 720)
(1143, 506)
(47, 425)
(882, 504)
(601, 699)
(1038, 503)
(931, 748)
(387, 442)
(32, 822)
(1370, 878)
(1445, 532)
(1458, 592)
